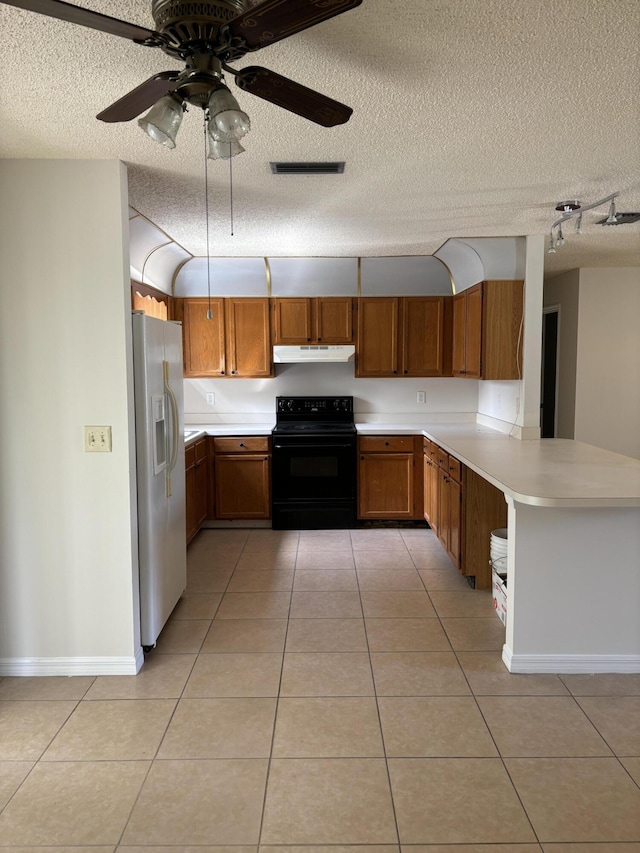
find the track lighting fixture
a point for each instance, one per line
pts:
(574, 210)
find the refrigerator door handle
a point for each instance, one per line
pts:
(173, 455)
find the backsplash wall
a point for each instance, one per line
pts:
(256, 397)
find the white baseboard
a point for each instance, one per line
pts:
(566, 664)
(72, 666)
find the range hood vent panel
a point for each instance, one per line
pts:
(313, 353)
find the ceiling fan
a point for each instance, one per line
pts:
(207, 36)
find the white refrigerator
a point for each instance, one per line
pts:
(157, 364)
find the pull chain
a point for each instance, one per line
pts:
(206, 213)
(231, 189)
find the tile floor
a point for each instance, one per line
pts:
(317, 690)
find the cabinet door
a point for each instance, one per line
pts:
(422, 327)
(473, 336)
(455, 528)
(203, 339)
(443, 508)
(428, 506)
(190, 491)
(248, 339)
(334, 319)
(386, 485)
(434, 521)
(292, 321)
(200, 484)
(502, 309)
(242, 486)
(459, 333)
(377, 336)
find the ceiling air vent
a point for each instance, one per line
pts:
(621, 219)
(307, 168)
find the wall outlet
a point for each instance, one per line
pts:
(97, 439)
(211, 399)
(421, 397)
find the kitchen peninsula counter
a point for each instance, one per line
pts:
(573, 562)
(551, 472)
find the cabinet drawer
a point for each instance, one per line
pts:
(442, 458)
(386, 443)
(455, 469)
(243, 444)
(200, 447)
(190, 456)
(426, 446)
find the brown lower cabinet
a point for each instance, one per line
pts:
(462, 508)
(389, 480)
(242, 467)
(196, 485)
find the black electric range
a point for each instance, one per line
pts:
(314, 463)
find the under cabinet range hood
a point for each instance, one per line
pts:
(313, 353)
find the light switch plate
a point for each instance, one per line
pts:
(421, 397)
(211, 399)
(97, 439)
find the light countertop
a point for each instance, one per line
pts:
(548, 472)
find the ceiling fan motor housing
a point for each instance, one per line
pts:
(189, 25)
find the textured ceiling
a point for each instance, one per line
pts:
(471, 118)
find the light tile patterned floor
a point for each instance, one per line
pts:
(322, 692)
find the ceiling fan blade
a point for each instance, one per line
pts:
(292, 96)
(273, 20)
(87, 18)
(141, 98)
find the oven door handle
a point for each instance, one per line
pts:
(298, 446)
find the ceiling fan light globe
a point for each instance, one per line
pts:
(232, 123)
(163, 120)
(223, 149)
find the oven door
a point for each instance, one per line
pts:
(314, 468)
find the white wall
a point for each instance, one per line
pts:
(256, 397)
(608, 360)
(69, 568)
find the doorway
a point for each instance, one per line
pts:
(549, 379)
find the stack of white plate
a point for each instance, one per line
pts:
(498, 549)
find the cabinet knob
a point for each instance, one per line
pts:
(319, 339)
(362, 458)
(406, 371)
(241, 444)
(395, 371)
(222, 373)
(233, 371)
(386, 444)
(308, 339)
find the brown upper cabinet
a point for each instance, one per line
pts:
(236, 342)
(248, 340)
(318, 319)
(203, 340)
(487, 330)
(403, 336)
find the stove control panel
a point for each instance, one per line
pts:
(314, 405)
